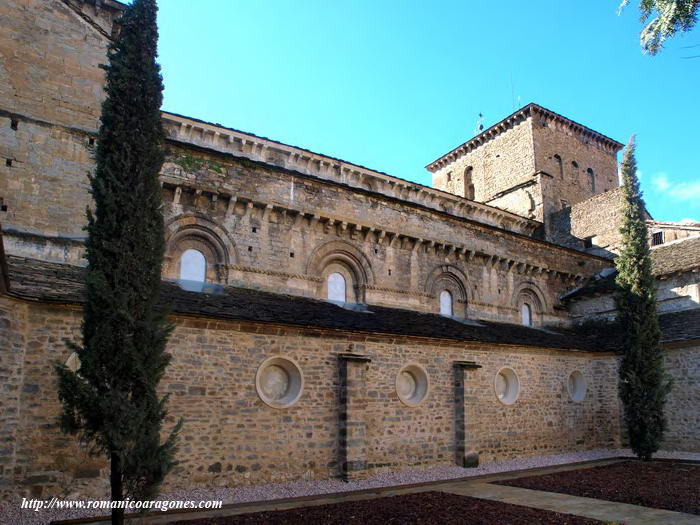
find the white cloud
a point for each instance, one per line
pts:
(661, 182)
(682, 191)
(685, 191)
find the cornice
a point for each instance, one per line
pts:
(218, 138)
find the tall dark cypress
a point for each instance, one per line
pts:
(643, 383)
(112, 403)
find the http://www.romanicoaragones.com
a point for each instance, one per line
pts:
(128, 505)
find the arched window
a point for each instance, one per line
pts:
(591, 179)
(336, 288)
(560, 165)
(446, 303)
(193, 266)
(526, 314)
(468, 183)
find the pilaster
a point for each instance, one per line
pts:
(464, 455)
(352, 425)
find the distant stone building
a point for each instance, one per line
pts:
(331, 320)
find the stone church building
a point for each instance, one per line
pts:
(331, 320)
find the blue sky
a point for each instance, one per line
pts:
(392, 84)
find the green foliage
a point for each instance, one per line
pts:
(667, 18)
(643, 383)
(191, 164)
(112, 403)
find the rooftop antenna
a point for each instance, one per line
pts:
(479, 124)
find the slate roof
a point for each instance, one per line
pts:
(596, 285)
(680, 326)
(677, 256)
(61, 283)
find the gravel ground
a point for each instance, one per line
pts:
(10, 513)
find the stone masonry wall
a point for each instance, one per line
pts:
(50, 97)
(504, 168)
(570, 183)
(50, 57)
(673, 294)
(13, 326)
(231, 437)
(273, 228)
(683, 433)
(258, 225)
(45, 188)
(598, 217)
(279, 230)
(499, 164)
(525, 198)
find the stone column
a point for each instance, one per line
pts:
(351, 420)
(463, 456)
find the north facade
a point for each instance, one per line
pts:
(331, 320)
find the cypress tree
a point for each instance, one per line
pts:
(643, 385)
(111, 403)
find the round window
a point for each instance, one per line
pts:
(576, 386)
(507, 386)
(412, 384)
(279, 382)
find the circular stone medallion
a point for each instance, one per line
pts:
(501, 385)
(406, 385)
(279, 382)
(506, 386)
(577, 387)
(412, 384)
(274, 382)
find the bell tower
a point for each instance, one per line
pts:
(533, 163)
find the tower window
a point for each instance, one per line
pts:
(449, 176)
(591, 179)
(13, 124)
(526, 314)
(657, 238)
(469, 183)
(8, 163)
(574, 164)
(560, 165)
(193, 266)
(336, 288)
(446, 303)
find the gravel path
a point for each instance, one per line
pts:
(10, 513)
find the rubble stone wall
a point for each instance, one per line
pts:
(683, 432)
(231, 437)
